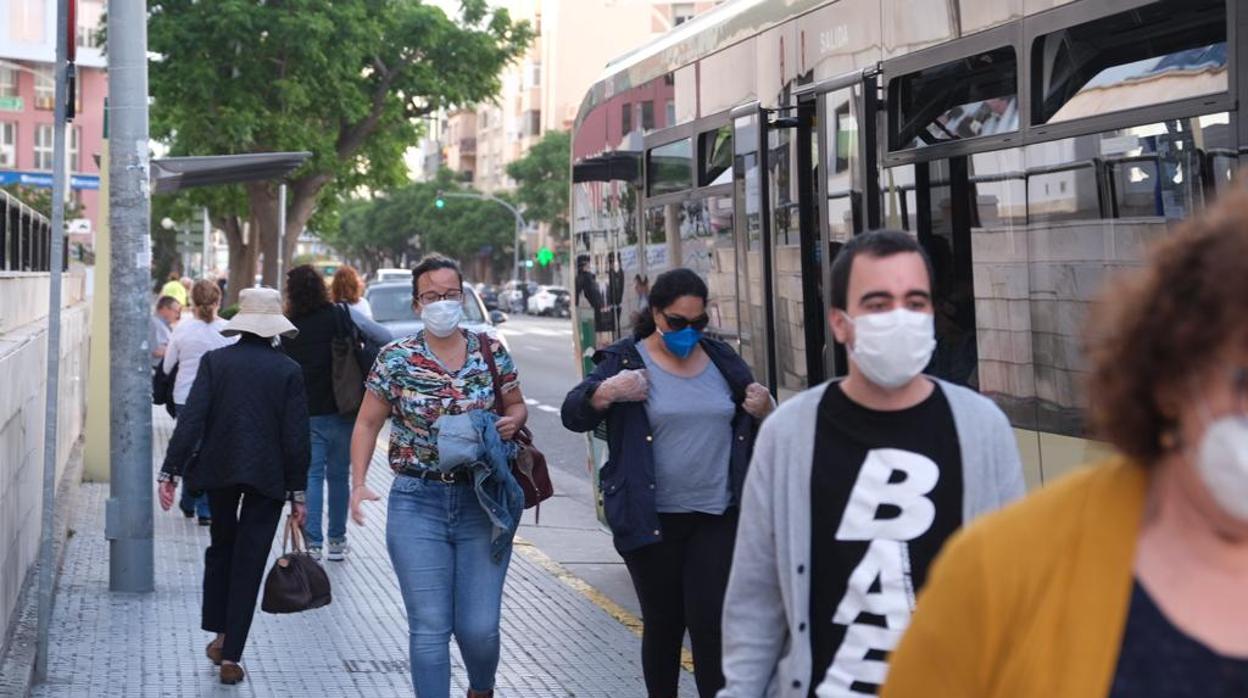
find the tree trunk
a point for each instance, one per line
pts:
(262, 199)
(242, 259)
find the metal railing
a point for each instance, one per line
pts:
(26, 238)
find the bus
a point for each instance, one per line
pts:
(1032, 147)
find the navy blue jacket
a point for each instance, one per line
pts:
(627, 479)
(247, 417)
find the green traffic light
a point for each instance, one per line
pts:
(545, 256)
(440, 203)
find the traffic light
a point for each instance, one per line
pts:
(439, 202)
(545, 256)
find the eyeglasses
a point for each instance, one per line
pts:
(678, 323)
(430, 297)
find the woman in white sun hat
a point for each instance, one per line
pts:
(242, 438)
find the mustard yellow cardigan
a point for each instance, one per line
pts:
(1030, 600)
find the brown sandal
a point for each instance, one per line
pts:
(231, 673)
(213, 650)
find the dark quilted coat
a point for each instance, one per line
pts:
(248, 414)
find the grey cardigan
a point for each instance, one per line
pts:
(767, 607)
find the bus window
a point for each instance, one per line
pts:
(708, 246)
(1165, 51)
(969, 97)
(669, 168)
(715, 157)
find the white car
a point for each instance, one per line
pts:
(549, 300)
(393, 274)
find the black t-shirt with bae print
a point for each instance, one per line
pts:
(886, 492)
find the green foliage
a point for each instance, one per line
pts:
(229, 312)
(543, 176)
(408, 220)
(347, 80)
(40, 199)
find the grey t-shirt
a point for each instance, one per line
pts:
(691, 419)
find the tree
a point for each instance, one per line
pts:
(347, 80)
(543, 176)
(405, 221)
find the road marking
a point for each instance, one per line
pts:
(531, 401)
(548, 408)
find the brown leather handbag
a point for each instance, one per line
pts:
(296, 582)
(529, 464)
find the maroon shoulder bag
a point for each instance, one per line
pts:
(529, 464)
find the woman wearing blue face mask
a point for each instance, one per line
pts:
(681, 412)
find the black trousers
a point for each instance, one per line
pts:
(680, 583)
(234, 563)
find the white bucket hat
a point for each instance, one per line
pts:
(260, 313)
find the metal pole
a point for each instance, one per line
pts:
(50, 412)
(205, 264)
(128, 513)
(281, 231)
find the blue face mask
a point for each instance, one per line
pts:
(681, 343)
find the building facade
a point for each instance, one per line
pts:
(27, 52)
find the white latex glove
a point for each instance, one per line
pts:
(627, 386)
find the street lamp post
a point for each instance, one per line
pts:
(521, 225)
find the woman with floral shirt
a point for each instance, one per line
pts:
(442, 542)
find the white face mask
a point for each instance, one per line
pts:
(1222, 462)
(892, 348)
(441, 318)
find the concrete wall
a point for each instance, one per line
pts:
(23, 370)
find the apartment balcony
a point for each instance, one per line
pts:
(467, 146)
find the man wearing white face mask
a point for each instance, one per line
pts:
(1128, 579)
(853, 489)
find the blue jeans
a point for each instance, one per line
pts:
(331, 462)
(439, 541)
(188, 503)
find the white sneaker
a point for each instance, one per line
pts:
(314, 551)
(337, 550)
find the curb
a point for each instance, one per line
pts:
(17, 654)
(628, 620)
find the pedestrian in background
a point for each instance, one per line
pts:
(1129, 578)
(174, 289)
(855, 486)
(160, 329)
(243, 438)
(192, 338)
(347, 287)
(681, 410)
(319, 323)
(453, 506)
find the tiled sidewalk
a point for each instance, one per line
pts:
(555, 641)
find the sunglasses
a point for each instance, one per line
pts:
(678, 323)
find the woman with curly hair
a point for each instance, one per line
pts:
(1128, 578)
(319, 322)
(347, 287)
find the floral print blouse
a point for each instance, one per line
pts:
(419, 389)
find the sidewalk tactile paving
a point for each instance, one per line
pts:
(556, 642)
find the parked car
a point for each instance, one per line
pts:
(489, 296)
(512, 297)
(392, 308)
(550, 300)
(392, 274)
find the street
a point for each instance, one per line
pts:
(569, 532)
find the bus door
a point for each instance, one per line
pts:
(840, 192)
(796, 279)
(753, 242)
